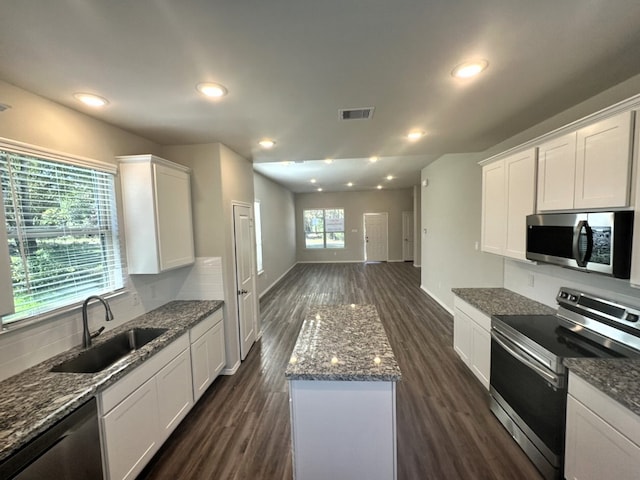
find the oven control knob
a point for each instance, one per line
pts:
(632, 317)
(564, 294)
(573, 298)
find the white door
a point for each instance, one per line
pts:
(407, 236)
(244, 277)
(375, 237)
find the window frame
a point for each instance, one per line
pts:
(324, 229)
(120, 284)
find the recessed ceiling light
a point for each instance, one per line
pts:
(328, 160)
(350, 184)
(389, 177)
(320, 189)
(266, 143)
(313, 180)
(373, 159)
(91, 100)
(415, 135)
(469, 69)
(379, 187)
(211, 90)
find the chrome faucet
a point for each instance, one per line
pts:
(86, 335)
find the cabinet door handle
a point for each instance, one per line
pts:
(242, 292)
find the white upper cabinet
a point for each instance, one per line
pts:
(557, 173)
(508, 196)
(520, 174)
(156, 196)
(493, 208)
(588, 168)
(603, 163)
(6, 292)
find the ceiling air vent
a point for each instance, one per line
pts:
(364, 113)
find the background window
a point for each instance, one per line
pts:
(258, 229)
(62, 233)
(324, 228)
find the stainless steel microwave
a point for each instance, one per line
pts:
(597, 242)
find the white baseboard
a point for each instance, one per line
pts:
(440, 302)
(331, 261)
(232, 370)
(277, 280)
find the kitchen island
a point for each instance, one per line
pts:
(342, 376)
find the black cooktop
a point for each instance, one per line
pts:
(548, 332)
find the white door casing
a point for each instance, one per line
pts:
(407, 236)
(376, 240)
(244, 277)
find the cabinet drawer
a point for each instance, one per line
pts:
(612, 412)
(482, 319)
(198, 330)
(125, 386)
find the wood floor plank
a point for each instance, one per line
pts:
(240, 428)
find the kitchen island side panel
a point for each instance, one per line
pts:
(343, 430)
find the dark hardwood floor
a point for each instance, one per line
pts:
(240, 427)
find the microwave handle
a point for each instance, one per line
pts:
(582, 258)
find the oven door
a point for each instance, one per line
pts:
(534, 400)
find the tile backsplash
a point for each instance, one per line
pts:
(32, 344)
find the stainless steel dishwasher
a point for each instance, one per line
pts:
(70, 450)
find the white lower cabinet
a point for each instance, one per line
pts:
(175, 397)
(140, 411)
(472, 339)
(131, 432)
(207, 352)
(603, 437)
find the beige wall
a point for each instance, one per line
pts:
(355, 204)
(42, 123)
(38, 121)
(220, 177)
(451, 210)
(451, 213)
(277, 209)
(206, 194)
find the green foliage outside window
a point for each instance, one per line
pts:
(61, 228)
(324, 228)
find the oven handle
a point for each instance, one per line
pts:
(506, 344)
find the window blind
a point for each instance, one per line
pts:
(62, 231)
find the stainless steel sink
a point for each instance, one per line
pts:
(102, 356)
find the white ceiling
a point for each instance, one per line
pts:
(289, 65)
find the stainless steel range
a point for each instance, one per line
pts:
(528, 379)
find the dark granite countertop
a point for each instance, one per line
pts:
(345, 343)
(35, 399)
(500, 301)
(618, 378)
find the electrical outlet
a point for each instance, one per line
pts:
(153, 291)
(135, 299)
(531, 280)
